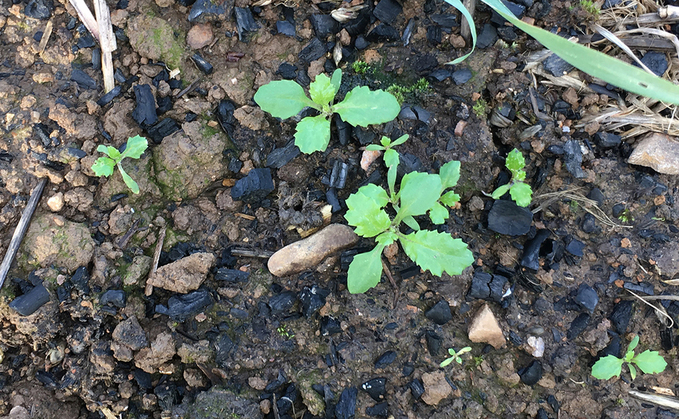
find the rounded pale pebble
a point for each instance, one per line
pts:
(199, 36)
(56, 202)
(307, 253)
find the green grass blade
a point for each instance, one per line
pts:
(472, 28)
(595, 63)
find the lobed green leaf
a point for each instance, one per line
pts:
(365, 271)
(521, 193)
(103, 166)
(437, 252)
(363, 107)
(450, 198)
(135, 147)
(312, 134)
(321, 90)
(438, 214)
(110, 151)
(419, 192)
(365, 211)
(607, 367)
(282, 98)
(391, 157)
(650, 362)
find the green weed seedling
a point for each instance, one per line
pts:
(104, 165)
(419, 194)
(361, 106)
(520, 192)
(650, 362)
(455, 356)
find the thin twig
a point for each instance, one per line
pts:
(657, 310)
(156, 258)
(391, 279)
(21, 230)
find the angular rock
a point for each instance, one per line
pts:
(573, 158)
(254, 187)
(53, 240)
(154, 38)
(130, 334)
(436, 387)
(162, 350)
(658, 151)
(39, 9)
(184, 275)
(439, 313)
(666, 257)
(485, 328)
(199, 36)
(506, 217)
(187, 161)
(114, 298)
(305, 254)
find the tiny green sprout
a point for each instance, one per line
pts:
(418, 194)
(361, 106)
(520, 192)
(360, 67)
(626, 216)
(650, 362)
(480, 108)
(104, 166)
(455, 356)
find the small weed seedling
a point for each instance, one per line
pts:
(650, 362)
(104, 165)
(520, 192)
(455, 356)
(480, 108)
(361, 106)
(419, 194)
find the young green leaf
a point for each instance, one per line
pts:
(411, 222)
(103, 166)
(438, 214)
(365, 211)
(400, 140)
(437, 252)
(391, 158)
(135, 147)
(385, 141)
(110, 151)
(321, 90)
(607, 367)
(501, 190)
(521, 193)
(365, 270)
(419, 192)
(632, 371)
(447, 362)
(450, 174)
(283, 98)
(450, 198)
(336, 80)
(312, 134)
(374, 147)
(650, 362)
(631, 347)
(363, 107)
(515, 161)
(128, 180)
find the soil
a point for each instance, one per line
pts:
(214, 334)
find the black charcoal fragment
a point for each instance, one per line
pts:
(621, 315)
(285, 28)
(39, 9)
(225, 116)
(283, 302)
(607, 139)
(417, 388)
(330, 326)
(245, 21)
(385, 359)
(80, 280)
(231, 275)
(83, 79)
(145, 111)
(202, 64)
(586, 297)
(376, 388)
(656, 62)
(486, 286)
(31, 301)
(207, 8)
(184, 306)
(578, 325)
(573, 158)
(114, 298)
(314, 50)
(556, 65)
(287, 71)
(254, 187)
(383, 33)
(506, 217)
(115, 92)
(487, 37)
(346, 405)
(164, 105)
(312, 299)
(380, 410)
(462, 76)
(324, 25)
(531, 250)
(282, 155)
(162, 129)
(439, 313)
(387, 11)
(531, 374)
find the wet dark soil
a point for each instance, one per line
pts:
(235, 341)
